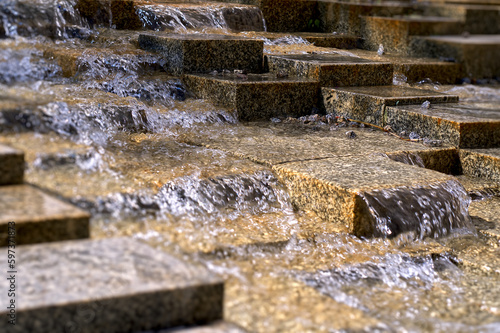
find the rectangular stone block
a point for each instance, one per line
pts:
(257, 96)
(368, 104)
(184, 53)
(39, 217)
(485, 215)
(375, 196)
(11, 165)
(333, 70)
(466, 125)
(484, 163)
(479, 54)
(109, 285)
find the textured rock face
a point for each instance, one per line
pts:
(111, 285)
(11, 165)
(204, 53)
(276, 96)
(484, 163)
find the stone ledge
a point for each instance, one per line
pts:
(484, 163)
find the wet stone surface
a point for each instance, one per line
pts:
(150, 288)
(483, 163)
(11, 165)
(485, 216)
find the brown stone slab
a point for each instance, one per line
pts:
(375, 196)
(11, 165)
(484, 163)
(39, 217)
(479, 54)
(109, 285)
(486, 216)
(470, 124)
(368, 104)
(333, 70)
(185, 53)
(257, 96)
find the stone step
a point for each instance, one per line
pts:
(93, 285)
(368, 104)
(360, 202)
(485, 215)
(484, 163)
(333, 69)
(184, 53)
(466, 124)
(479, 54)
(39, 217)
(11, 166)
(257, 96)
(394, 33)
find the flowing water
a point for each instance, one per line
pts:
(108, 139)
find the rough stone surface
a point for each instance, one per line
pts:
(479, 54)
(112, 285)
(369, 103)
(333, 70)
(486, 216)
(11, 165)
(39, 217)
(353, 201)
(471, 124)
(205, 52)
(120, 13)
(257, 96)
(483, 163)
(394, 32)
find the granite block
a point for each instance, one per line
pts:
(338, 41)
(479, 54)
(375, 196)
(484, 163)
(485, 215)
(394, 32)
(465, 125)
(257, 96)
(11, 166)
(122, 14)
(333, 70)
(109, 285)
(184, 53)
(369, 104)
(39, 217)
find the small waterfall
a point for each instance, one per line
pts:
(419, 211)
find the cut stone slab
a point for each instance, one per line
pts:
(394, 32)
(11, 165)
(486, 216)
(184, 53)
(484, 163)
(39, 217)
(467, 124)
(119, 13)
(479, 188)
(479, 54)
(95, 285)
(369, 104)
(333, 70)
(375, 196)
(257, 96)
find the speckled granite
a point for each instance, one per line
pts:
(333, 70)
(479, 54)
(483, 163)
(466, 125)
(353, 192)
(486, 216)
(257, 96)
(120, 13)
(184, 53)
(39, 217)
(369, 103)
(445, 160)
(11, 165)
(339, 41)
(479, 188)
(394, 32)
(110, 285)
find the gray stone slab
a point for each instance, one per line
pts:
(108, 285)
(39, 217)
(334, 70)
(368, 104)
(470, 125)
(185, 53)
(11, 165)
(257, 96)
(484, 163)
(375, 196)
